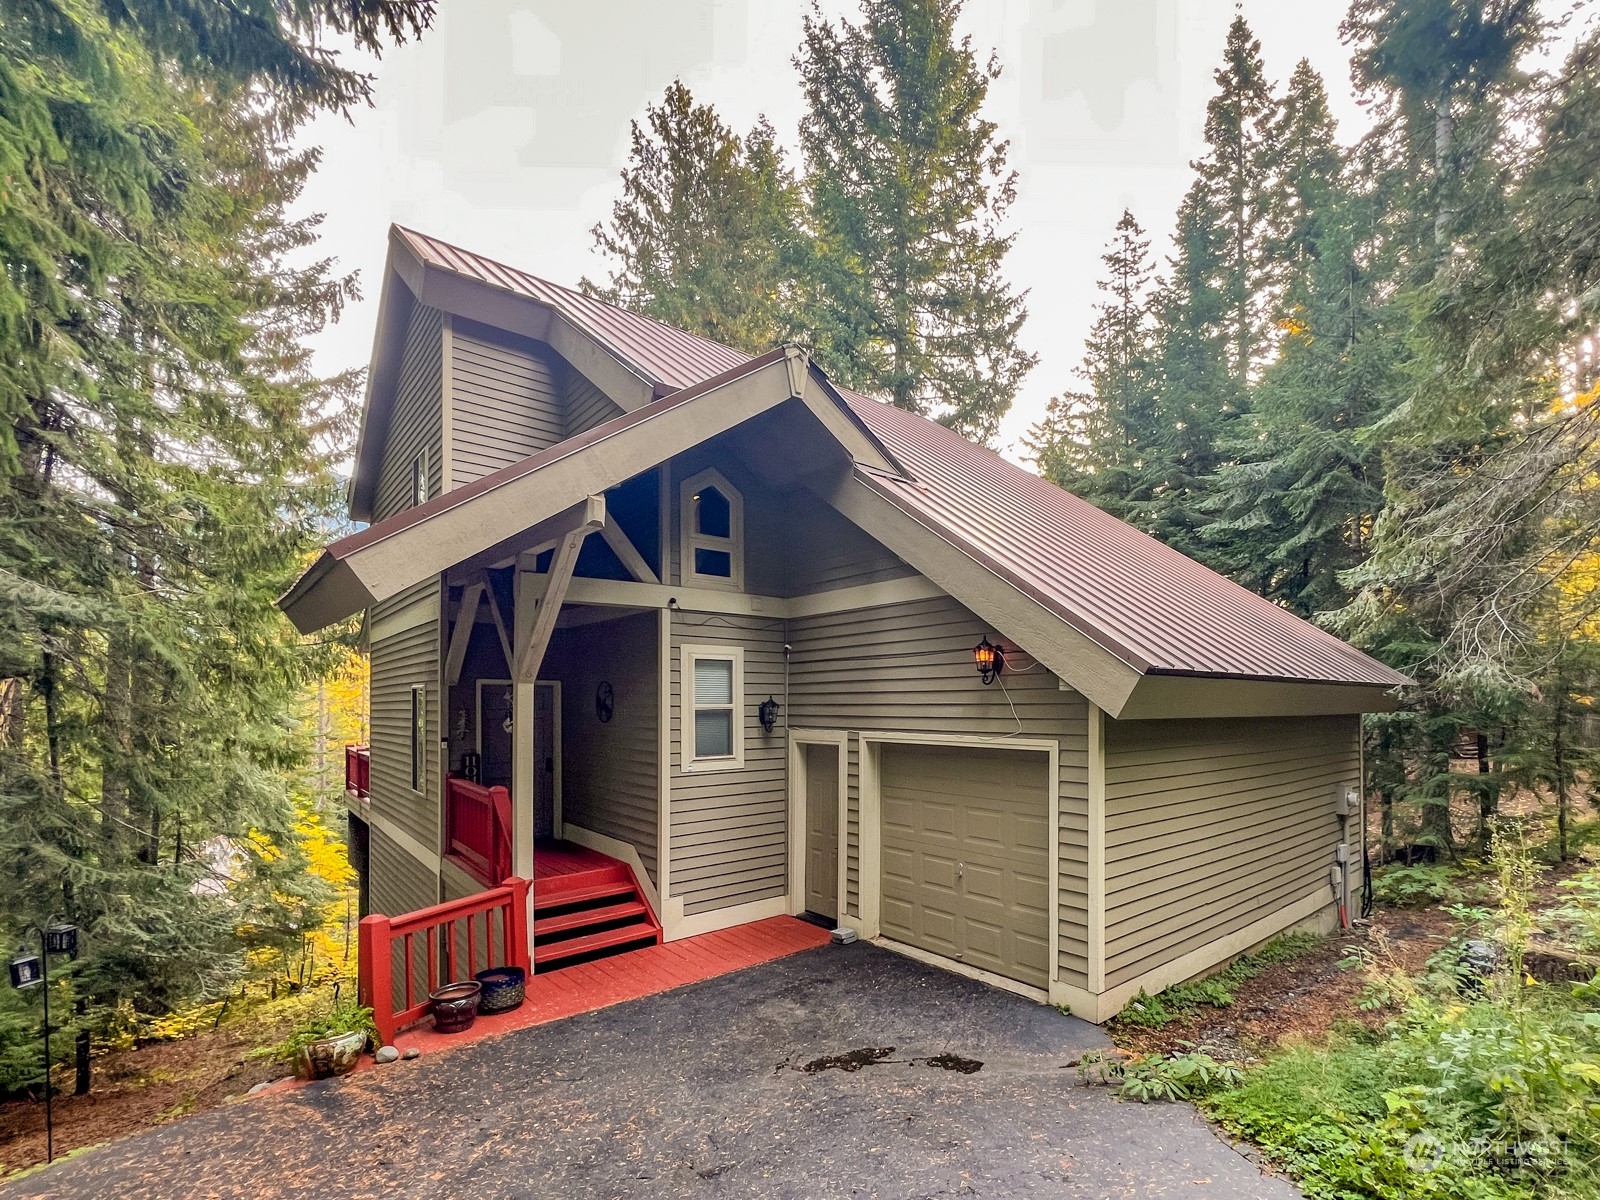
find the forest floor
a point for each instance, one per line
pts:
(147, 1085)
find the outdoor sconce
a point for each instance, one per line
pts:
(767, 713)
(989, 659)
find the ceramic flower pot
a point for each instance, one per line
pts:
(332, 1055)
(455, 1005)
(503, 989)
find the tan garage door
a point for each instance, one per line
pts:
(966, 856)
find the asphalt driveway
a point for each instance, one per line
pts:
(704, 1092)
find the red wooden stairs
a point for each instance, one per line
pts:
(591, 909)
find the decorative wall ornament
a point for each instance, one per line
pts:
(605, 702)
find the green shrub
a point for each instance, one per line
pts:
(1493, 1094)
(1188, 1075)
(1414, 887)
(344, 1016)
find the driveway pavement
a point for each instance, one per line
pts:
(710, 1091)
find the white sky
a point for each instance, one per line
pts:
(503, 130)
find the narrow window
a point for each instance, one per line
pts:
(419, 479)
(419, 735)
(714, 679)
(712, 515)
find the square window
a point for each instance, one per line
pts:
(713, 733)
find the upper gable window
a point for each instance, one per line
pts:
(712, 515)
(419, 478)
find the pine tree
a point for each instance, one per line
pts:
(707, 232)
(1098, 445)
(165, 468)
(908, 187)
(1233, 191)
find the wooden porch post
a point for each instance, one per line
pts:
(538, 602)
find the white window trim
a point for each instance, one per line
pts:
(686, 756)
(419, 478)
(689, 540)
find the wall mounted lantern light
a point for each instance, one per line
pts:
(767, 713)
(989, 659)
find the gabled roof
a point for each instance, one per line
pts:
(1133, 599)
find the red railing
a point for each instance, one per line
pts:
(404, 958)
(477, 829)
(357, 770)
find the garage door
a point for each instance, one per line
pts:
(966, 856)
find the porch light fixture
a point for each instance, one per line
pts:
(989, 659)
(767, 713)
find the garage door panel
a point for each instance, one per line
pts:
(965, 856)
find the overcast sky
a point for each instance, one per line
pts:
(503, 130)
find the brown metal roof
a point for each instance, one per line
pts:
(1150, 606)
(666, 354)
(1156, 609)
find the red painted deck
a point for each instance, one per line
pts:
(551, 859)
(589, 986)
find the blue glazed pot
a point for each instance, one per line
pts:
(503, 989)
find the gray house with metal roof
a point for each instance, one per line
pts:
(776, 647)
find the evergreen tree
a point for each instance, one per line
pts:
(707, 232)
(165, 467)
(907, 188)
(1098, 445)
(1233, 193)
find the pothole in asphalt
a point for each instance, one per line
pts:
(954, 1062)
(850, 1060)
(867, 1056)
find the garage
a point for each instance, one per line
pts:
(965, 855)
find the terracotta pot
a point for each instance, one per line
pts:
(503, 989)
(332, 1055)
(455, 1005)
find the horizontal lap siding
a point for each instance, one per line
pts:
(1212, 825)
(826, 552)
(401, 658)
(586, 405)
(399, 882)
(730, 828)
(417, 422)
(609, 781)
(506, 401)
(907, 668)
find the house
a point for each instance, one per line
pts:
(765, 646)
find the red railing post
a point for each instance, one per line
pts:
(375, 973)
(517, 948)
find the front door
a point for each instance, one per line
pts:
(494, 732)
(822, 830)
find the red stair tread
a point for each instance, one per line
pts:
(552, 951)
(598, 891)
(544, 926)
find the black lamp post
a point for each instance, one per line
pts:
(32, 970)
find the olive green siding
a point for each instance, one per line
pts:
(907, 668)
(416, 424)
(506, 400)
(609, 780)
(729, 828)
(405, 651)
(1212, 825)
(399, 883)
